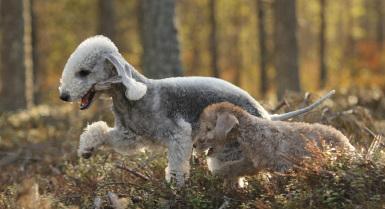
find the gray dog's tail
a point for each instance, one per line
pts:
(295, 113)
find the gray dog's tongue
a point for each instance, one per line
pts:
(86, 100)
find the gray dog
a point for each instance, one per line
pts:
(164, 111)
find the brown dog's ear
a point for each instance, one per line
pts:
(225, 123)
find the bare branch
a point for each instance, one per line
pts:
(135, 173)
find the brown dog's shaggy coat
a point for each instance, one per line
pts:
(269, 145)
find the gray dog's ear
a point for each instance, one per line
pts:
(134, 89)
(225, 123)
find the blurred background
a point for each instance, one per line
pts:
(277, 50)
(263, 46)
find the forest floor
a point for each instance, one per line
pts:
(40, 168)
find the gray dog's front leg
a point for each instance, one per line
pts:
(179, 153)
(98, 134)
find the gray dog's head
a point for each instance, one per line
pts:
(96, 60)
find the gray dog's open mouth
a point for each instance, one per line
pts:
(86, 100)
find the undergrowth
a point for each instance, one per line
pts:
(40, 169)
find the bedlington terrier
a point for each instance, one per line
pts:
(165, 110)
(264, 144)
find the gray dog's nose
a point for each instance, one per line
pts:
(65, 96)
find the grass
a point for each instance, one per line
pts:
(40, 169)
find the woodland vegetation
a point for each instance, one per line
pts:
(277, 50)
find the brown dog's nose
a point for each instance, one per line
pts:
(65, 96)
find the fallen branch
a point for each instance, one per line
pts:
(133, 172)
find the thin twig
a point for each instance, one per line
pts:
(135, 173)
(370, 132)
(306, 98)
(376, 143)
(281, 104)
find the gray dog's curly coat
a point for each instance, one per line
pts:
(163, 112)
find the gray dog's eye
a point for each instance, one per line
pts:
(84, 72)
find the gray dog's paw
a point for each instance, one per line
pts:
(92, 138)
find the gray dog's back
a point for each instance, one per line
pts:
(188, 96)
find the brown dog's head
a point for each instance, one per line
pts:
(215, 123)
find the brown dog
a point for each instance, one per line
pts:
(263, 144)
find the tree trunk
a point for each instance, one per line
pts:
(380, 23)
(213, 39)
(28, 58)
(286, 46)
(160, 57)
(38, 75)
(322, 44)
(13, 94)
(107, 18)
(262, 48)
(350, 43)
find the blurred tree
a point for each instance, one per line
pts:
(350, 43)
(38, 75)
(286, 46)
(107, 18)
(13, 76)
(380, 22)
(262, 47)
(213, 39)
(28, 58)
(233, 39)
(194, 34)
(160, 57)
(1, 38)
(322, 43)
